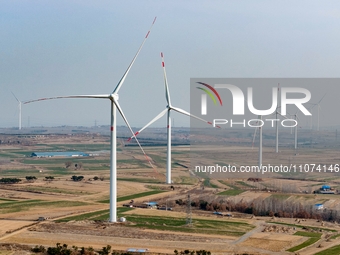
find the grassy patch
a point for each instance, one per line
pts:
(207, 183)
(6, 200)
(134, 196)
(335, 236)
(314, 237)
(308, 234)
(231, 192)
(199, 226)
(97, 215)
(140, 180)
(234, 191)
(335, 250)
(106, 216)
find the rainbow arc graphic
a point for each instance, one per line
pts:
(212, 93)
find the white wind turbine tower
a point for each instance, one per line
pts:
(19, 106)
(168, 110)
(260, 144)
(295, 134)
(317, 104)
(277, 124)
(113, 97)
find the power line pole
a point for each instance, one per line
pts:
(189, 215)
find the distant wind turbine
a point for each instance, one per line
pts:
(168, 110)
(318, 105)
(260, 144)
(295, 134)
(277, 124)
(19, 106)
(277, 114)
(113, 97)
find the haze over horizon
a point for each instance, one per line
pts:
(58, 48)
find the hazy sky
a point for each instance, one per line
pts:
(55, 48)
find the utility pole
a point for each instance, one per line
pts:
(189, 215)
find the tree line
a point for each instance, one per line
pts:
(271, 206)
(106, 250)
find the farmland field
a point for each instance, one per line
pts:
(77, 212)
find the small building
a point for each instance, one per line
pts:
(318, 206)
(152, 205)
(325, 187)
(137, 250)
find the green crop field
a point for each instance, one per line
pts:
(97, 215)
(214, 227)
(207, 183)
(335, 250)
(314, 237)
(140, 180)
(231, 192)
(134, 196)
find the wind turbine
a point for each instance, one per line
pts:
(113, 97)
(168, 110)
(277, 124)
(295, 133)
(318, 104)
(260, 144)
(19, 106)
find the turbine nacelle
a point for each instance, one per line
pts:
(114, 97)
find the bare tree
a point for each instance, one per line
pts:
(68, 164)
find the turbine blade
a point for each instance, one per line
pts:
(16, 97)
(282, 115)
(152, 121)
(120, 83)
(167, 93)
(254, 136)
(128, 125)
(191, 115)
(107, 96)
(322, 98)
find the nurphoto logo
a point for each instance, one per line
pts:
(293, 96)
